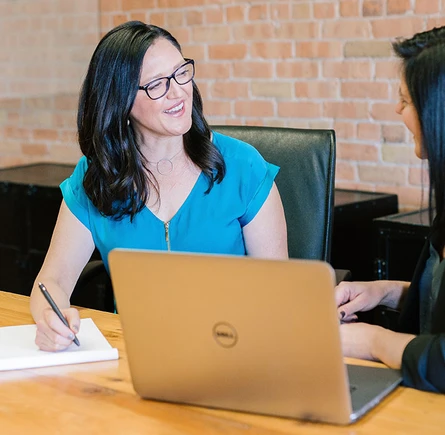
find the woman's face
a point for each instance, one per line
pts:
(405, 107)
(170, 115)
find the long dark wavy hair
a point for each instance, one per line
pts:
(117, 180)
(423, 68)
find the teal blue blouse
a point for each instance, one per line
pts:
(205, 223)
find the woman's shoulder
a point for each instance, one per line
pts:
(234, 149)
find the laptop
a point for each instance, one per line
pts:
(240, 333)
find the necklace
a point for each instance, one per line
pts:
(164, 166)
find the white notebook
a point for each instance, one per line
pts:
(18, 350)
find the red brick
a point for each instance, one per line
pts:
(387, 69)
(297, 30)
(253, 69)
(209, 34)
(349, 8)
(318, 49)
(232, 51)
(213, 71)
(346, 29)
(280, 12)
(254, 108)
(347, 69)
(368, 131)
(217, 107)
(436, 21)
(270, 89)
(297, 109)
(235, 13)
(256, 31)
(316, 89)
(258, 12)
(166, 4)
(345, 129)
(398, 7)
(42, 134)
(129, 5)
(174, 19)
(388, 174)
(427, 7)
(194, 18)
(301, 11)
(374, 90)
(394, 133)
(158, 19)
(231, 90)
(297, 69)
(373, 8)
(196, 52)
(357, 152)
(345, 171)
(324, 10)
(345, 109)
(39, 150)
(109, 6)
(418, 176)
(395, 27)
(384, 112)
(398, 154)
(214, 16)
(272, 50)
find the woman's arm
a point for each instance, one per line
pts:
(70, 249)
(266, 235)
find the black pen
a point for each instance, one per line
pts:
(56, 309)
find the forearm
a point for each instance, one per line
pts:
(395, 293)
(388, 346)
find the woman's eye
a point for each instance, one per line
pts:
(154, 86)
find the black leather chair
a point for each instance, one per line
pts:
(305, 182)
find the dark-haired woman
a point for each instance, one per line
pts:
(153, 175)
(418, 348)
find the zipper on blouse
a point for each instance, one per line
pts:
(167, 234)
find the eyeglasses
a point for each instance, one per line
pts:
(159, 87)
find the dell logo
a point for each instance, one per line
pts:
(225, 334)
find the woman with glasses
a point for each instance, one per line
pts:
(418, 347)
(153, 175)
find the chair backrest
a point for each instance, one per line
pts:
(305, 181)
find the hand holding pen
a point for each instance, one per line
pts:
(56, 309)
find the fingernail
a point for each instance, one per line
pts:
(75, 328)
(71, 336)
(342, 314)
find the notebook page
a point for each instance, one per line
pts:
(18, 350)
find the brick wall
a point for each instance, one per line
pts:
(314, 63)
(46, 46)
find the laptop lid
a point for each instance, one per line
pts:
(230, 332)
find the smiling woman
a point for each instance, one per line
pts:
(153, 175)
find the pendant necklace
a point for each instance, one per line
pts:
(164, 166)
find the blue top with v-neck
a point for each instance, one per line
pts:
(205, 223)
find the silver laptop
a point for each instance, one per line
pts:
(240, 333)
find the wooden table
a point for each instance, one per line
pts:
(99, 398)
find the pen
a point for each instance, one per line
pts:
(56, 309)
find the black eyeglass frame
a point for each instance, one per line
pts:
(172, 76)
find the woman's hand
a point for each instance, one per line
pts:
(52, 335)
(352, 297)
(371, 342)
